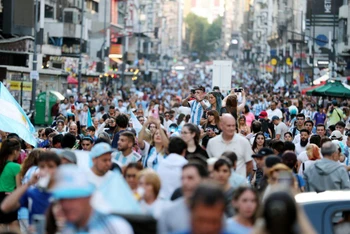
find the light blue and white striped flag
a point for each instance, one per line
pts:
(13, 119)
(135, 123)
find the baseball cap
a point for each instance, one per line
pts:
(336, 134)
(69, 155)
(262, 153)
(200, 88)
(334, 102)
(263, 114)
(100, 149)
(71, 183)
(275, 117)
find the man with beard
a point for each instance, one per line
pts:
(101, 155)
(125, 153)
(308, 125)
(304, 141)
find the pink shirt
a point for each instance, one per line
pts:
(249, 118)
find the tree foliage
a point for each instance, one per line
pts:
(200, 35)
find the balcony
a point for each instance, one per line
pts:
(60, 29)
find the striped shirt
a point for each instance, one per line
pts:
(101, 223)
(122, 161)
(196, 111)
(151, 158)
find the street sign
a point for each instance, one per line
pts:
(16, 85)
(34, 75)
(222, 75)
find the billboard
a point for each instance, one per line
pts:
(222, 75)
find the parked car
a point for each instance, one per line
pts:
(328, 212)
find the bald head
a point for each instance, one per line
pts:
(73, 129)
(228, 126)
(227, 117)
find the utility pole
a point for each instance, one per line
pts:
(35, 56)
(104, 38)
(301, 44)
(313, 43)
(333, 42)
(125, 42)
(81, 44)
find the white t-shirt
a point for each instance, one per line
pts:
(281, 129)
(239, 144)
(299, 149)
(184, 110)
(63, 108)
(302, 168)
(302, 157)
(97, 180)
(272, 113)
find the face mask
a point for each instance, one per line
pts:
(140, 191)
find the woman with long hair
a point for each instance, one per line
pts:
(9, 176)
(211, 127)
(153, 153)
(148, 189)
(259, 142)
(215, 101)
(230, 104)
(221, 174)
(190, 133)
(313, 154)
(243, 128)
(246, 204)
(181, 120)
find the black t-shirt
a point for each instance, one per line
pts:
(224, 110)
(199, 150)
(207, 128)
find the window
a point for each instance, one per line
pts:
(341, 222)
(49, 12)
(121, 12)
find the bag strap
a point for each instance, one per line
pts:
(338, 114)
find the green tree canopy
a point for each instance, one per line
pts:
(200, 35)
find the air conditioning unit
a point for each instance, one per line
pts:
(71, 15)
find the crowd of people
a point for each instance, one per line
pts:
(196, 159)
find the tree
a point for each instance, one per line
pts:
(201, 35)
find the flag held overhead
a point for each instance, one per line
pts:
(13, 119)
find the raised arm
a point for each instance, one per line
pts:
(185, 101)
(140, 139)
(163, 136)
(241, 106)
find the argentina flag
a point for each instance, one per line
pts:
(13, 119)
